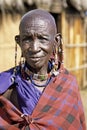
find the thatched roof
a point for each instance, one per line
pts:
(54, 6)
(80, 5)
(23, 5)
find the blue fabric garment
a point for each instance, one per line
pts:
(27, 94)
(5, 80)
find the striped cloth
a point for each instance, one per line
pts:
(59, 108)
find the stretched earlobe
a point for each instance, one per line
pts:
(17, 39)
(58, 38)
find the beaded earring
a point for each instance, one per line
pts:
(56, 58)
(22, 61)
(15, 68)
(22, 65)
(61, 51)
(58, 53)
(16, 41)
(15, 59)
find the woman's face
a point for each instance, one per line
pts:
(36, 41)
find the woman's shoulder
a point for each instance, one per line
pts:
(69, 74)
(69, 78)
(9, 71)
(6, 79)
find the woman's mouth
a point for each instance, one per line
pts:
(35, 59)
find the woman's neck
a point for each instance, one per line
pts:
(39, 71)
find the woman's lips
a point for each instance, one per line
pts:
(35, 58)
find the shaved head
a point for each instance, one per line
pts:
(39, 16)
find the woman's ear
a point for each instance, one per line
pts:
(58, 38)
(17, 39)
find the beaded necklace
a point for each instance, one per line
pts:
(38, 77)
(42, 85)
(28, 75)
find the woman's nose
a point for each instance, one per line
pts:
(35, 45)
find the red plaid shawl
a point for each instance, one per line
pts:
(59, 108)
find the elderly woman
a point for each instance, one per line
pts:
(40, 94)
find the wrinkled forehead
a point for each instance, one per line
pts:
(35, 22)
(36, 19)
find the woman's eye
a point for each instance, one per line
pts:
(42, 38)
(27, 39)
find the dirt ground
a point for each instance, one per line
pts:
(84, 100)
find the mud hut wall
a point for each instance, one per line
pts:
(74, 45)
(8, 29)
